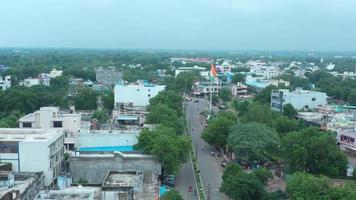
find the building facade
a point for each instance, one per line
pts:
(299, 99)
(29, 82)
(108, 76)
(136, 95)
(5, 83)
(33, 150)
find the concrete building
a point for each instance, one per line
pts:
(72, 193)
(109, 138)
(129, 185)
(52, 117)
(33, 150)
(94, 166)
(45, 78)
(5, 83)
(238, 89)
(299, 99)
(346, 139)
(21, 185)
(108, 76)
(136, 95)
(188, 69)
(29, 82)
(203, 88)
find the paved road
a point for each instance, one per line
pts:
(184, 179)
(210, 168)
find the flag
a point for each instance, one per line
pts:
(213, 73)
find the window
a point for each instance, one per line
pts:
(26, 124)
(8, 147)
(138, 90)
(313, 99)
(306, 106)
(57, 124)
(352, 140)
(149, 95)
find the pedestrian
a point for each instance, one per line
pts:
(212, 153)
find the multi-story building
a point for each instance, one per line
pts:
(108, 76)
(238, 89)
(204, 88)
(52, 117)
(29, 82)
(5, 83)
(45, 78)
(136, 95)
(346, 139)
(299, 99)
(33, 150)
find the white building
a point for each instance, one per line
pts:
(45, 78)
(205, 87)
(299, 99)
(136, 95)
(238, 89)
(29, 82)
(188, 69)
(5, 83)
(52, 117)
(33, 150)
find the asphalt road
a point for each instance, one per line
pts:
(184, 179)
(210, 169)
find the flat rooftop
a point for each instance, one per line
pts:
(23, 180)
(28, 134)
(123, 179)
(72, 193)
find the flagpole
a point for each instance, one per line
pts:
(211, 95)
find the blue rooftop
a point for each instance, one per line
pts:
(257, 83)
(108, 148)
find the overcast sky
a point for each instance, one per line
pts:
(328, 25)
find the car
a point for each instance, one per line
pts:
(196, 101)
(223, 164)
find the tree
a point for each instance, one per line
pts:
(258, 113)
(306, 186)
(239, 185)
(184, 82)
(241, 107)
(108, 100)
(60, 82)
(345, 192)
(238, 77)
(263, 174)
(253, 141)
(19, 98)
(283, 125)
(86, 99)
(313, 151)
(172, 195)
(217, 131)
(289, 111)
(225, 94)
(214, 99)
(101, 116)
(264, 96)
(170, 149)
(162, 114)
(171, 98)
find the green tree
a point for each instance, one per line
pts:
(162, 114)
(239, 185)
(263, 174)
(264, 96)
(184, 82)
(217, 131)
(238, 77)
(19, 98)
(107, 98)
(303, 186)
(253, 141)
(101, 116)
(241, 107)
(345, 192)
(170, 149)
(86, 99)
(225, 94)
(313, 151)
(60, 82)
(258, 113)
(171, 98)
(289, 111)
(172, 195)
(284, 125)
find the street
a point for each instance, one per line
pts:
(210, 169)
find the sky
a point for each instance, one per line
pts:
(303, 25)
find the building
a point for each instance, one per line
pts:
(20, 185)
(108, 138)
(72, 193)
(5, 83)
(188, 69)
(94, 166)
(346, 139)
(299, 99)
(136, 95)
(238, 89)
(204, 88)
(108, 76)
(129, 185)
(29, 82)
(45, 78)
(33, 150)
(52, 117)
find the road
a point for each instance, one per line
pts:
(210, 168)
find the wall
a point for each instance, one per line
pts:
(107, 139)
(139, 95)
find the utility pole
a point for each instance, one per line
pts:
(209, 192)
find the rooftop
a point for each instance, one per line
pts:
(28, 134)
(23, 180)
(117, 179)
(72, 193)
